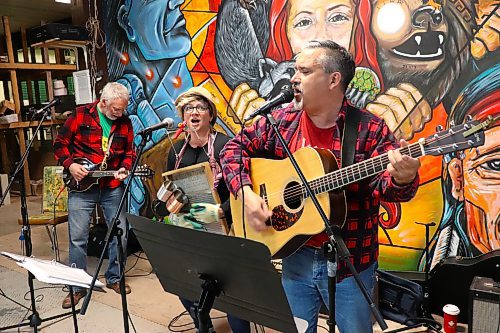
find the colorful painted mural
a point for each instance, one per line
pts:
(421, 64)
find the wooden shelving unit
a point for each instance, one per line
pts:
(40, 67)
(28, 71)
(27, 124)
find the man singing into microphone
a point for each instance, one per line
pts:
(100, 133)
(317, 118)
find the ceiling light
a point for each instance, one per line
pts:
(64, 1)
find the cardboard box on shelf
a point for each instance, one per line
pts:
(4, 182)
(10, 118)
(6, 105)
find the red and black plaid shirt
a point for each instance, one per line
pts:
(360, 232)
(81, 136)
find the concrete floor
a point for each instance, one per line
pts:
(151, 308)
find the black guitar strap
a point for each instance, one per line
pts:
(352, 117)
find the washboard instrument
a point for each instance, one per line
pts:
(197, 183)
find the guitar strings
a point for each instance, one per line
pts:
(297, 192)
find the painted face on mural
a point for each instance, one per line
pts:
(418, 39)
(476, 181)
(157, 27)
(319, 20)
(410, 33)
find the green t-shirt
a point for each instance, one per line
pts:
(106, 128)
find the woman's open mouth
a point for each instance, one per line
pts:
(195, 122)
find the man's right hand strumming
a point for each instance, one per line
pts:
(78, 171)
(256, 210)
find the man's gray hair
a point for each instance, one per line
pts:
(336, 59)
(114, 90)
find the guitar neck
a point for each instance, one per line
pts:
(99, 174)
(356, 172)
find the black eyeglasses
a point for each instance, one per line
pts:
(200, 108)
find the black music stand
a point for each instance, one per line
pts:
(240, 269)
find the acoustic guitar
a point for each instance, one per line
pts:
(94, 174)
(294, 217)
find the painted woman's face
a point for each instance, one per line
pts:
(481, 169)
(319, 20)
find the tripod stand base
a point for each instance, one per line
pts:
(40, 320)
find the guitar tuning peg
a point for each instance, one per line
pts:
(447, 159)
(439, 128)
(452, 123)
(461, 155)
(469, 117)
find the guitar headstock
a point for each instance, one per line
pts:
(460, 137)
(144, 172)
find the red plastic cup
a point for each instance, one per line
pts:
(451, 313)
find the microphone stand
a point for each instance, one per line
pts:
(34, 318)
(116, 231)
(336, 247)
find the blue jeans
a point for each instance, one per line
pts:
(237, 325)
(80, 208)
(305, 280)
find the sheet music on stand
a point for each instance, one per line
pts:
(197, 183)
(53, 272)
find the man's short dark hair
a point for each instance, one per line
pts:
(335, 59)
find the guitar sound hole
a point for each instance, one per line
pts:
(293, 195)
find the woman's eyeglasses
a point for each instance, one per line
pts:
(200, 108)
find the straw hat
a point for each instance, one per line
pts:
(181, 101)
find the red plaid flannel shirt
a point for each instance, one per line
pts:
(81, 136)
(360, 232)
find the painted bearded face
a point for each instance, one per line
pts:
(410, 33)
(416, 38)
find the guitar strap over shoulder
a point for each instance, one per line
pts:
(104, 163)
(352, 117)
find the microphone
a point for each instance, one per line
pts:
(165, 123)
(285, 96)
(52, 103)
